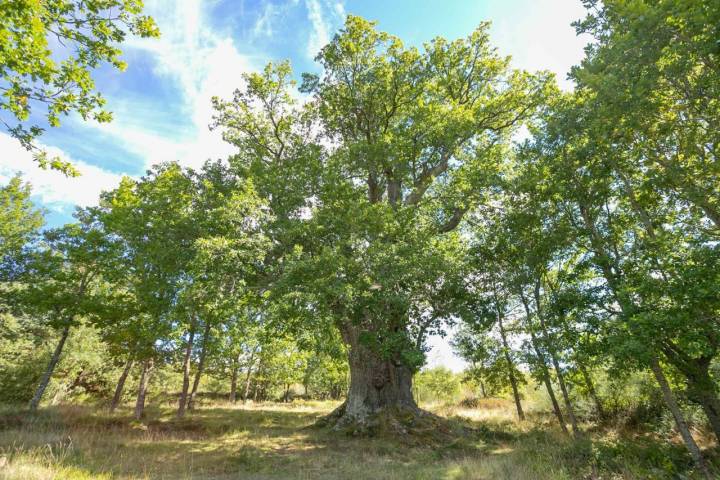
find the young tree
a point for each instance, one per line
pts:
(491, 361)
(152, 222)
(59, 285)
(576, 169)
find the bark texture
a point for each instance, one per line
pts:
(376, 385)
(35, 401)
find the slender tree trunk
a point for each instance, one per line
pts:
(565, 394)
(286, 396)
(677, 415)
(182, 401)
(556, 363)
(45, 380)
(484, 395)
(376, 383)
(511, 370)
(201, 366)
(234, 379)
(543, 366)
(248, 376)
(121, 385)
(593, 393)
(701, 388)
(608, 267)
(142, 388)
(548, 386)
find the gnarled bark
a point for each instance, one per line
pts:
(376, 384)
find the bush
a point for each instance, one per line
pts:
(437, 384)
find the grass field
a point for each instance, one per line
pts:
(276, 441)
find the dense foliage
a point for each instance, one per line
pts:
(389, 198)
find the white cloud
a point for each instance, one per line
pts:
(322, 24)
(319, 33)
(205, 63)
(340, 10)
(264, 24)
(541, 38)
(52, 188)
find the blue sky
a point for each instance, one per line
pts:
(161, 103)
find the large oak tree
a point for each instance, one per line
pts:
(369, 178)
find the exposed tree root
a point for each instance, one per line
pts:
(409, 425)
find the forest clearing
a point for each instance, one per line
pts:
(278, 441)
(295, 241)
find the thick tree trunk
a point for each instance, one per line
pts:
(511, 370)
(121, 385)
(677, 415)
(593, 393)
(142, 388)
(182, 401)
(200, 368)
(376, 384)
(35, 402)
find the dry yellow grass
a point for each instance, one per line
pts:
(271, 441)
